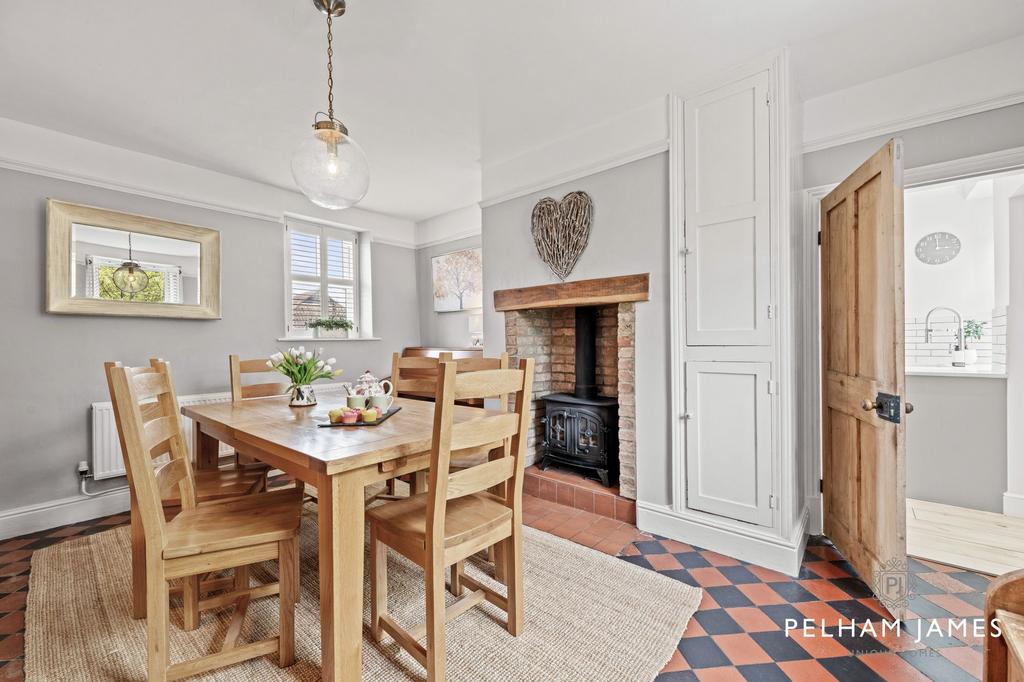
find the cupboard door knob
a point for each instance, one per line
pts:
(868, 405)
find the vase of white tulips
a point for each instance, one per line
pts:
(303, 367)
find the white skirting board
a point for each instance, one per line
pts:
(36, 517)
(774, 553)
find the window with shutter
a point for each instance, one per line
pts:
(322, 277)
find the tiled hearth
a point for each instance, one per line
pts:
(570, 489)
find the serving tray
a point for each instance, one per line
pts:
(384, 418)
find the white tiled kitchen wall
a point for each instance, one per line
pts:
(991, 349)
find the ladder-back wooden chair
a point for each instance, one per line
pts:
(210, 485)
(413, 377)
(1004, 652)
(240, 391)
(226, 534)
(458, 516)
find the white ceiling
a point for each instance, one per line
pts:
(428, 88)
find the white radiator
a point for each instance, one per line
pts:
(106, 447)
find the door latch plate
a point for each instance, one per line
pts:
(888, 407)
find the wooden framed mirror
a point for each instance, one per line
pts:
(101, 262)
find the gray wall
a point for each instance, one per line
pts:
(956, 441)
(440, 329)
(52, 365)
(989, 131)
(629, 234)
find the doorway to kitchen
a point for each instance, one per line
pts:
(958, 264)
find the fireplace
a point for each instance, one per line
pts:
(583, 412)
(581, 429)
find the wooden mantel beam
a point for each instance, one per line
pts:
(600, 291)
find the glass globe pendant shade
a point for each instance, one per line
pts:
(130, 278)
(330, 168)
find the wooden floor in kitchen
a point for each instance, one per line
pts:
(979, 541)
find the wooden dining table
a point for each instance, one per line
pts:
(340, 461)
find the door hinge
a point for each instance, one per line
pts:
(773, 502)
(768, 98)
(686, 416)
(821, 485)
(771, 312)
(819, 237)
(773, 387)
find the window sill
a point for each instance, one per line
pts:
(313, 339)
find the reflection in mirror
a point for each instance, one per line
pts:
(111, 264)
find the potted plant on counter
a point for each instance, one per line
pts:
(303, 367)
(331, 327)
(972, 332)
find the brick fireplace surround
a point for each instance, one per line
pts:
(540, 324)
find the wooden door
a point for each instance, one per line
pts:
(729, 440)
(863, 459)
(728, 237)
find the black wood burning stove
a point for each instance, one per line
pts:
(582, 429)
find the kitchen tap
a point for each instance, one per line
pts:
(959, 330)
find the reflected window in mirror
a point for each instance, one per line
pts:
(115, 265)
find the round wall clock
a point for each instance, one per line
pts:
(937, 248)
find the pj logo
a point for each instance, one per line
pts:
(892, 584)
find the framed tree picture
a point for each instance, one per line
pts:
(458, 280)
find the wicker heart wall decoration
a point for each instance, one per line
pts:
(561, 230)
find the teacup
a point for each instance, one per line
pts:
(357, 402)
(384, 402)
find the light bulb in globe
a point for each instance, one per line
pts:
(330, 167)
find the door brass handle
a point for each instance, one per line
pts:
(909, 407)
(868, 405)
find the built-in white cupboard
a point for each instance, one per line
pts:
(736, 486)
(728, 439)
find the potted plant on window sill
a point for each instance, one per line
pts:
(331, 327)
(972, 331)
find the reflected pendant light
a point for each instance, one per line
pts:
(130, 278)
(328, 166)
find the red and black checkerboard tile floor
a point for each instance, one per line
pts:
(739, 631)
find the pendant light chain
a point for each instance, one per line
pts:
(330, 67)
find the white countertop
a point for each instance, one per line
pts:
(970, 371)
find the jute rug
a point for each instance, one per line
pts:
(589, 617)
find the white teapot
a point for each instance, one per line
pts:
(369, 385)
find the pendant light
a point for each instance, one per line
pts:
(130, 278)
(328, 166)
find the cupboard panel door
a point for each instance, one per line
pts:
(728, 440)
(728, 237)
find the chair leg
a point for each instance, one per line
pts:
(435, 619)
(378, 583)
(456, 578)
(496, 553)
(298, 569)
(190, 602)
(158, 613)
(514, 578)
(288, 579)
(138, 562)
(242, 578)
